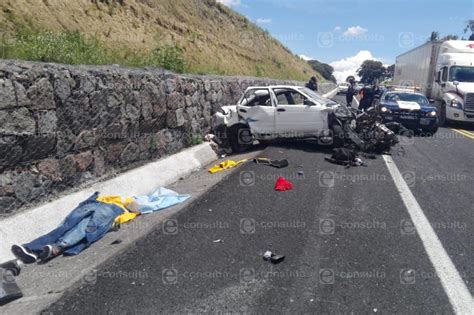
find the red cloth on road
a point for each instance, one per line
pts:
(282, 184)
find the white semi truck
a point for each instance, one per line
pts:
(444, 72)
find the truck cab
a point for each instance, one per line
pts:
(453, 86)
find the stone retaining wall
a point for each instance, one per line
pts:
(64, 126)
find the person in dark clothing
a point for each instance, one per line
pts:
(368, 95)
(312, 84)
(351, 91)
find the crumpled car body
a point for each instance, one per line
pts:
(274, 112)
(282, 112)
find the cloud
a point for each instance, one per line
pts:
(348, 66)
(355, 31)
(230, 3)
(264, 21)
(306, 58)
(337, 29)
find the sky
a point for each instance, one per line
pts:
(344, 33)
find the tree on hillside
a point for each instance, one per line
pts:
(450, 37)
(470, 26)
(324, 69)
(371, 71)
(434, 36)
(390, 71)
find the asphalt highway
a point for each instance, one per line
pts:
(351, 238)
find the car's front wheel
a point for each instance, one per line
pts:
(241, 138)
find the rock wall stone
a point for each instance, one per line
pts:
(64, 126)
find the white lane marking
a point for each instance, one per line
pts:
(458, 294)
(357, 102)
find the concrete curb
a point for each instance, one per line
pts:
(35, 222)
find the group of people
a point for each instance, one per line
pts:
(367, 94)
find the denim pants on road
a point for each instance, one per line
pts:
(67, 231)
(75, 235)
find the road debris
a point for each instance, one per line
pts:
(228, 164)
(9, 290)
(274, 163)
(273, 258)
(346, 157)
(283, 185)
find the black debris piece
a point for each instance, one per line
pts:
(274, 163)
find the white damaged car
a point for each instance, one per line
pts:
(276, 112)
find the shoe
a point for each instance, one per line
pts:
(24, 254)
(49, 252)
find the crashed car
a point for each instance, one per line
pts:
(411, 109)
(276, 112)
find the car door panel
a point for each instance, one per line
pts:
(297, 120)
(259, 115)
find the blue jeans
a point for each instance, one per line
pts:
(87, 223)
(74, 235)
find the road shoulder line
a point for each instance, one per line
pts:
(454, 286)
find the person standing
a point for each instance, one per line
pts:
(368, 95)
(351, 91)
(312, 84)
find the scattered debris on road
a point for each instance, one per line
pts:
(273, 258)
(346, 157)
(283, 185)
(274, 163)
(9, 290)
(228, 164)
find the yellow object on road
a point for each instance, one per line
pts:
(225, 166)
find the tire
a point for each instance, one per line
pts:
(430, 130)
(241, 139)
(337, 136)
(443, 121)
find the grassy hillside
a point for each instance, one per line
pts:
(198, 36)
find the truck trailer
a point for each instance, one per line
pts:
(444, 72)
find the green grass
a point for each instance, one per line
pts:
(75, 48)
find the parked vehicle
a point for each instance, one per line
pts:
(444, 72)
(411, 109)
(342, 88)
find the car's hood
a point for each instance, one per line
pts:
(408, 105)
